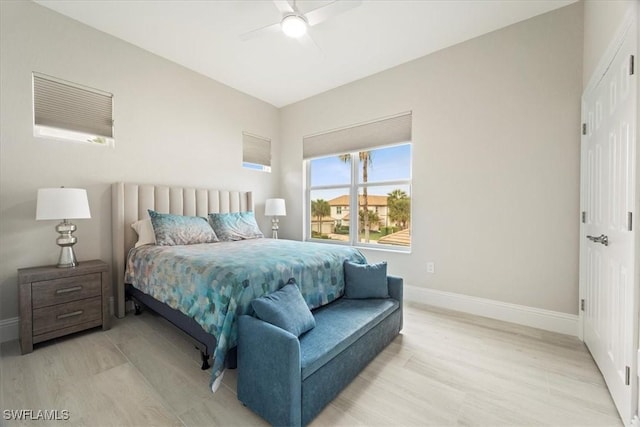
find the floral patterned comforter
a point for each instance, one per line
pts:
(214, 283)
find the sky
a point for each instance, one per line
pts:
(388, 164)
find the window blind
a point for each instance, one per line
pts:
(68, 106)
(391, 130)
(256, 149)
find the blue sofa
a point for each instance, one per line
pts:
(288, 380)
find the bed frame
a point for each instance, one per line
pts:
(129, 204)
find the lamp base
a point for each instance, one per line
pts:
(67, 258)
(66, 241)
(274, 227)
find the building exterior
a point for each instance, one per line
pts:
(378, 204)
(340, 214)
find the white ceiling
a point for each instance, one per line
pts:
(379, 34)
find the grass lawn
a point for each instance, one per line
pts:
(373, 235)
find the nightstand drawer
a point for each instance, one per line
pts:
(59, 291)
(61, 316)
(55, 302)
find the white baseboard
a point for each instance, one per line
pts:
(520, 314)
(548, 320)
(9, 329)
(635, 422)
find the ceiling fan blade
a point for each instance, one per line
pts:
(269, 29)
(283, 6)
(308, 42)
(316, 16)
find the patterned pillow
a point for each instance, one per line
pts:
(171, 230)
(235, 226)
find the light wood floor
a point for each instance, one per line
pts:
(445, 369)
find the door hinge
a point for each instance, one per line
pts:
(630, 221)
(584, 128)
(632, 70)
(584, 217)
(582, 304)
(627, 375)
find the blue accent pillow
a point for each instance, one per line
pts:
(171, 230)
(363, 281)
(235, 226)
(286, 309)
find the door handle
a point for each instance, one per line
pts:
(600, 239)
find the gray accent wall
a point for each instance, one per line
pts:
(496, 152)
(172, 126)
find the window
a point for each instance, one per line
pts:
(71, 112)
(362, 197)
(256, 152)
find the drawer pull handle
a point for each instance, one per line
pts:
(67, 290)
(73, 313)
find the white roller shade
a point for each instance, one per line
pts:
(68, 106)
(361, 137)
(256, 149)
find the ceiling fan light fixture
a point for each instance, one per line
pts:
(294, 26)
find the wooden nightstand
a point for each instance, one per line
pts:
(59, 301)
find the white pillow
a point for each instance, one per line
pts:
(144, 228)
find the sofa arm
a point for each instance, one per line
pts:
(269, 372)
(396, 285)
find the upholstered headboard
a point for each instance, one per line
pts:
(130, 203)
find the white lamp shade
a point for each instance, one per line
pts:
(62, 203)
(275, 207)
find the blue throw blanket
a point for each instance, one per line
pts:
(214, 283)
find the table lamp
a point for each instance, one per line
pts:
(275, 208)
(63, 204)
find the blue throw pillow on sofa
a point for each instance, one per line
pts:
(286, 309)
(363, 281)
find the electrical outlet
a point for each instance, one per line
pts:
(431, 267)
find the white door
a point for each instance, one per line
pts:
(608, 226)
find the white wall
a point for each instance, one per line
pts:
(496, 160)
(172, 126)
(602, 19)
(496, 151)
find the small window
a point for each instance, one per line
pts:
(71, 112)
(256, 152)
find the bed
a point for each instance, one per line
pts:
(202, 288)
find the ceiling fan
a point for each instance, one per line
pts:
(295, 24)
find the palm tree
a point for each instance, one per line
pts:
(371, 217)
(366, 158)
(399, 207)
(319, 209)
(397, 194)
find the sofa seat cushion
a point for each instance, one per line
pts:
(338, 325)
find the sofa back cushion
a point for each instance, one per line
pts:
(286, 309)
